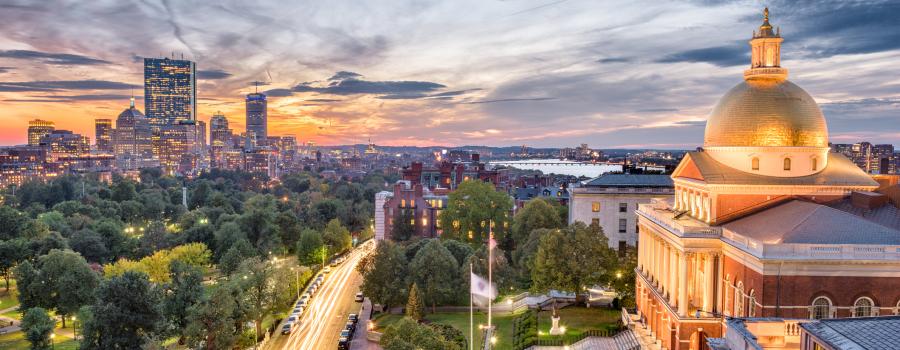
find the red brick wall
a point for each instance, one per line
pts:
(842, 290)
(735, 272)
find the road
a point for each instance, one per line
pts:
(326, 316)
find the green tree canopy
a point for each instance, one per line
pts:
(60, 281)
(436, 271)
(37, 326)
(537, 213)
(414, 306)
(337, 237)
(308, 245)
(383, 274)
(471, 208)
(408, 334)
(126, 315)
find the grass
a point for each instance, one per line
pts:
(16, 340)
(577, 320)
(8, 299)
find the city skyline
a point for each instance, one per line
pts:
(541, 73)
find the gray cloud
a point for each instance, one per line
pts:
(278, 92)
(349, 83)
(345, 75)
(523, 99)
(5, 69)
(615, 60)
(64, 59)
(72, 98)
(212, 74)
(61, 85)
(722, 56)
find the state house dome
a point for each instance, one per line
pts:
(766, 112)
(767, 125)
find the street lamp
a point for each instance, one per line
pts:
(52, 335)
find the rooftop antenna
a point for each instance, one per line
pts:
(256, 85)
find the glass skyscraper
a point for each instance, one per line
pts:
(170, 94)
(257, 118)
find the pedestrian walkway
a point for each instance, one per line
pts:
(8, 325)
(360, 339)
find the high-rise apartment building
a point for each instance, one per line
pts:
(170, 93)
(257, 120)
(65, 143)
(103, 135)
(37, 129)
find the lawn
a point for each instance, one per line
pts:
(8, 298)
(577, 320)
(16, 340)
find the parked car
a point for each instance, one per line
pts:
(287, 328)
(359, 297)
(353, 318)
(327, 269)
(343, 344)
(346, 334)
(350, 326)
(292, 318)
(297, 310)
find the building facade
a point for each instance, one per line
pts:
(132, 141)
(170, 93)
(103, 138)
(37, 129)
(412, 202)
(764, 221)
(610, 201)
(257, 120)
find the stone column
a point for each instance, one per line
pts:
(708, 283)
(682, 284)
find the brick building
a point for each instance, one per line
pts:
(412, 202)
(448, 175)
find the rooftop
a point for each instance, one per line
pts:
(631, 180)
(870, 333)
(840, 171)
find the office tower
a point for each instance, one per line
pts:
(37, 129)
(256, 120)
(132, 141)
(170, 93)
(201, 134)
(103, 135)
(178, 148)
(65, 143)
(219, 138)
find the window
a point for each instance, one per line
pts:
(623, 223)
(815, 164)
(863, 307)
(787, 164)
(595, 222)
(754, 163)
(751, 307)
(412, 203)
(623, 246)
(739, 300)
(403, 203)
(821, 308)
(623, 207)
(595, 207)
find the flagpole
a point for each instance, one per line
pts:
(471, 314)
(490, 266)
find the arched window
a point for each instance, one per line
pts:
(815, 164)
(821, 308)
(739, 300)
(863, 307)
(751, 304)
(787, 164)
(754, 163)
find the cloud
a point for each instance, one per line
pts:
(722, 56)
(325, 100)
(5, 69)
(72, 98)
(212, 74)
(524, 99)
(64, 59)
(615, 60)
(278, 92)
(349, 83)
(60, 85)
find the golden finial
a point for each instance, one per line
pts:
(766, 14)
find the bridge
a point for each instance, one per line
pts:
(557, 163)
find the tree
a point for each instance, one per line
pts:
(90, 245)
(126, 313)
(310, 242)
(37, 326)
(383, 274)
(12, 221)
(288, 228)
(11, 253)
(337, 237)
(471, 208)
(259, 293)
(408, 334)
(571, 259)
(404, 228)
(436, 270)
(537, 213)
(232, 259)
(183, 292)
(228, 234)
(123, 190)
(460, 251)
(212, 320)
(61, 281)
(414, 306)
(258, 222)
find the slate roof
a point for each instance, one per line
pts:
(887, 215)
(809, 223)
(869, 333)
(631, 180)
(840, 171)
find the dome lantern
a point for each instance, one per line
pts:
(765, 58)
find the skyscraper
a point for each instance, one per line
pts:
(37, 129)
(219, 138)
(132, 142)
(170, 93)
(257, 120)
(103, 135)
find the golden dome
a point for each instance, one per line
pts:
(768, 113)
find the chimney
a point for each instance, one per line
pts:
(868, 200)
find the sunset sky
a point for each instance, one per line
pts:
(536, 72)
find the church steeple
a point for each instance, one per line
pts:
(765, 58)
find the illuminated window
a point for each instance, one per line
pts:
(821, 308)
(815, 164)
(863, 307)
(787, 164)
(412, 203)
(754, 163)
(595, 207)
(403, 203)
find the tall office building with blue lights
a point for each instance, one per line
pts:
(257, 120)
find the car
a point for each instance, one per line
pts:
(327, 269)
(359, 297)
(353, 318)
(297, 310)
(350, 326)
(292, 318)
(343, 344)
(287, 328)
(302, 303)
(346, 334)
(304, 297)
